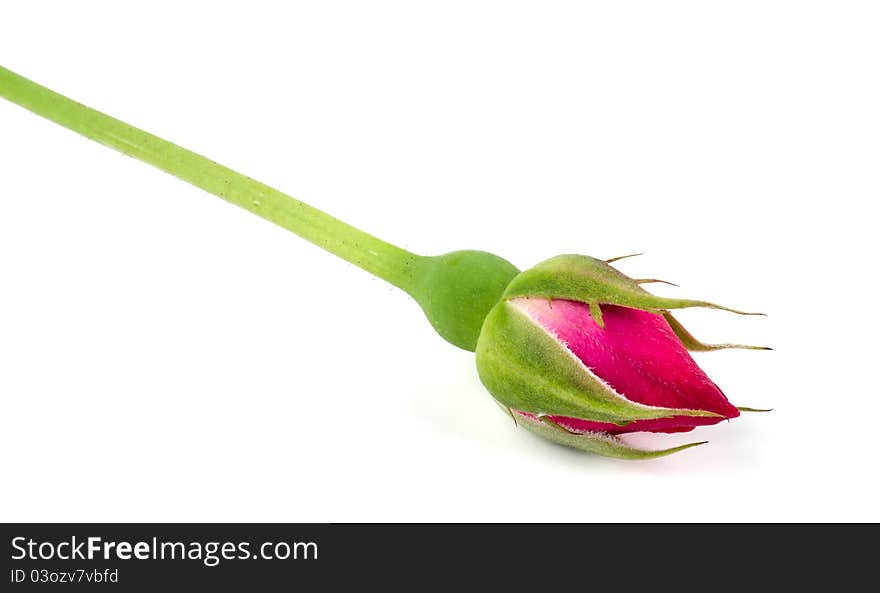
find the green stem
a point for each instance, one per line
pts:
(456, 290)
(382, 259)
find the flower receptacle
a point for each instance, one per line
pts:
(457, 290)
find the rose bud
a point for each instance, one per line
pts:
(578, 353)
(575, 351)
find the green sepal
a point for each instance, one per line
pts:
(526, 368)
(594, 442)
(695, 345)
(590, 280)
(748, 409)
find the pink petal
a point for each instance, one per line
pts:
(639, 356)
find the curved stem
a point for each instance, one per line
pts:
(381, 259)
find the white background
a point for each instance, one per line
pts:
(167, 356)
